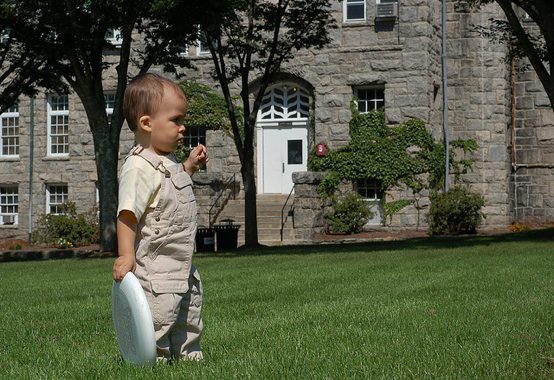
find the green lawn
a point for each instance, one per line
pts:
(460, 308)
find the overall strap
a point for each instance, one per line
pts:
(149, 157)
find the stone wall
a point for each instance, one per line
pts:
(532, 177)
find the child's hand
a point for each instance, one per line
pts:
(123, 265)
(197, 158)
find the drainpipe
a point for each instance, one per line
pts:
(513, 125)
(445, 97)
(31, 155)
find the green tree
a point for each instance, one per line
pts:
(70, 36)
(249, 41)
(533, 38)
(20, 71)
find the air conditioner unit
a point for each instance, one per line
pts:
(387, 11)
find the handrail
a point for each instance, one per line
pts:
(283, 212)
(232, 180)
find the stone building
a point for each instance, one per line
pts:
(384, 54)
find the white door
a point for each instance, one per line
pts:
(284, 150)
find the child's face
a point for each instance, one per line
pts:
(166, 124)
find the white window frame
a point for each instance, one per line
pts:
(4, 36)
(11, 113)
(51, 113)
(354, 2)
(369, 184)
(375, 203)
(374, 100)
(200, 51)
(64, 196)
(386, 1)
(9, 199)
(193, 137)
(110, 104)
(113, 36)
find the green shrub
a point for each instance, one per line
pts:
(457, 211)
(68, 229)
(350, 214)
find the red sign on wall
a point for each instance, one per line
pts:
(320, 151)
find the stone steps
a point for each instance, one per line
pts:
(269, 208)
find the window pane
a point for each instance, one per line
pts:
(355, 12)
(294, 152)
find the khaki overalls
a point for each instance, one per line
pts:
(163, 247)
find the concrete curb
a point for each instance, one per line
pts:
(51, 254)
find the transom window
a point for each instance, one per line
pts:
(370, 99)
(368, 189)
(9, 132)
(56, 196)
(9, 202)
(58, 125)
(354, 10)
(285, 102)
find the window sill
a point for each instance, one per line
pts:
(9, 226)
(356, 24)
(200, 57)
(10, 159)
(55, 158)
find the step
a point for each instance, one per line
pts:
(269, 210)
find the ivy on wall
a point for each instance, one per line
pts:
(393, 156)
(206, 109)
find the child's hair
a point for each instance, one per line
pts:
(143, 96)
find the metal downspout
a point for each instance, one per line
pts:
(445, 97)
(31, 156)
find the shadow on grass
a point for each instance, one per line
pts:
(442, 242)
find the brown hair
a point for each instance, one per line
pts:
(143, 95)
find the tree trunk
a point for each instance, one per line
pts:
(106, 165)
(250, 209)
(106, 150)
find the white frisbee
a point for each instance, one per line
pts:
(132, 320)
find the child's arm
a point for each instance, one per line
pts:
(126, 231)
(196, 159)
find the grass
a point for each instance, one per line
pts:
(425, 308)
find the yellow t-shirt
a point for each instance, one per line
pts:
(139, 184)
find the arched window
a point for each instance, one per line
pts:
(285, 102)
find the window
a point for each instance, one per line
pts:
(387, 1)
(354, 10)
(9, 132)
(56, 196)
(193, 137)
(368, 189)
(113, 36)
(109, 100)
(202, 47)
(5, 36)
(370, 99)
(58, 125)
(9, 201)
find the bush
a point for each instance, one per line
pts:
(457, 211)
(68, 229)
(350, 215)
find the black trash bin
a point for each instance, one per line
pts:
(205, 239)
(227, 235)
